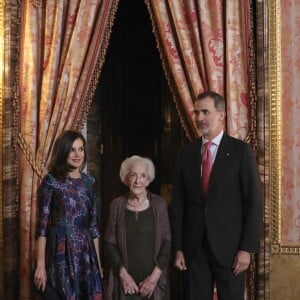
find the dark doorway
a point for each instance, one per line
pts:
(133, 111)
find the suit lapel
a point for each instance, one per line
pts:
(195, 160)
(218, 165)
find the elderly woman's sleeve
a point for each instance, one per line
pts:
(114, 257)
(164, 254)
(111, 245)
(110, 234)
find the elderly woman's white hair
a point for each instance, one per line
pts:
(128, 162)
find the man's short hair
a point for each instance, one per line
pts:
(219, 101)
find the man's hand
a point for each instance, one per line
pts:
(179, 262)
(241, 262)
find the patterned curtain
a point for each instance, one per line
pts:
(207, 44)
(63, 45)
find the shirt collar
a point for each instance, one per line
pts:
(216, 140)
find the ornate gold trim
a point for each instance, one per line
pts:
(275, 122)
(277, 247)
(1, 152)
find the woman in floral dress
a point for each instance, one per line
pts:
(68, 261)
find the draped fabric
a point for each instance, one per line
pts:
(206, 44)
(62, 50)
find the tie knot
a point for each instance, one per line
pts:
(208, 144)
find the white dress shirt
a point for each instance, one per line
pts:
(215, 145)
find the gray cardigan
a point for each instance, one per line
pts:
(116, 234)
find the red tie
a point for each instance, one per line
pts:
(206, 166)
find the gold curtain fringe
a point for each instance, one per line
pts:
(16, 104)
(35, 3)
(251, 279)
(252, 122)
(16, 126)
(189, 130)
(251, 68)
(88, 99)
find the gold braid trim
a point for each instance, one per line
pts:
(88, 98)
(186, 123)
(28, 154)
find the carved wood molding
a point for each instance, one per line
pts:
(275, 63)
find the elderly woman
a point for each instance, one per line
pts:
(138, 237)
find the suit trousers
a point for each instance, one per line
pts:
(204, 270)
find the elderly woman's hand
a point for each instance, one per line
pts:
(148, 285)
(128, 284)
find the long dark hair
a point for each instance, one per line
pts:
(58, 166)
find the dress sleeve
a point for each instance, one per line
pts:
(45, 195)
(94, 231)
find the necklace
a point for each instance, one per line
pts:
(137, 207)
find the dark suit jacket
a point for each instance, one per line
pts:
(231, 213)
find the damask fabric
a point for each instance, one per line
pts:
(192, 42)
(68, 221)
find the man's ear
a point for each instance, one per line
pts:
(222, 115)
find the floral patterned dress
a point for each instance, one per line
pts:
(68, 221)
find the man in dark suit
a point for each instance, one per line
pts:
(214, 232)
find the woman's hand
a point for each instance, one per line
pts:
(148, 285)
(128, 284)
(40, 275)
(40, 278)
